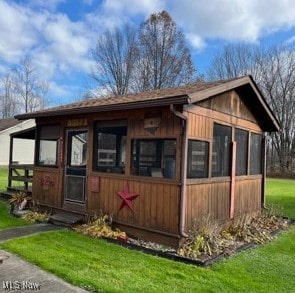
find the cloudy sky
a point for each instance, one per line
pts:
(59, 34)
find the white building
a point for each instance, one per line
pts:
(23, 149)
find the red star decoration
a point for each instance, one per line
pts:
(127, 197)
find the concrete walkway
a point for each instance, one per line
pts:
(17, 232)
(19, 275)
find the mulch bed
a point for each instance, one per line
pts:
(204, 259)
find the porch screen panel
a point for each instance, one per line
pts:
(154, 157)
(48, 145)
(110, 146)
(75, 188)
(197, 159)
(256, 154)
(241, 138)
(221, 150)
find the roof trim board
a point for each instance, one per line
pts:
(178, 96)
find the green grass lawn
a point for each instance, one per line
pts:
(105, 267)
(3, 178)
(281, 192)
(7, 221)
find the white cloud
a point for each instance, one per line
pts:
(87, 2)
(60, 46)
(16, 33)
(133, 7)
(233, 20)
(291, 40)
(113, 13)
(196, 41)
(49, 4)
(49, 37)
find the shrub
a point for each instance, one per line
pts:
(34, 216)
(100, 227)
(202, 238)
(19, 197)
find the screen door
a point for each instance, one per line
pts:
(75, 170)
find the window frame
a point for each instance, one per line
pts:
(260, 154)
(71, 133)
(38, 145)
(119, 169)
(158, 170)
(229, 153)
(245, 173)
(189, 173)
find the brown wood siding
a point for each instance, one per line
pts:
(248, 195)
(211, 198)
(47, 194)
(156, 207)
(229, 103)
(200, 122)
(199, 126)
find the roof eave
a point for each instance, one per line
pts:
(273, 124)
(178, 100)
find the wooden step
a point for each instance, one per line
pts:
(67, 220)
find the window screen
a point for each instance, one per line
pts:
(221, 150)
(255, 154)
(48, 145)
(110, 146)
(197, 159)
(241, 137)
(154, 157)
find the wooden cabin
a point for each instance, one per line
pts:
(156, 160)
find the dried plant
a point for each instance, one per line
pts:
(36, 217)
(100, 227)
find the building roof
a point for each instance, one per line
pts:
(162, 97)
(7, 123)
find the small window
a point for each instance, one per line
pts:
(77, 148)
(154, 158)
(221, 150)
(255, 154)
(197, 159)
(241, 137)
(110, 146)
(48, 145)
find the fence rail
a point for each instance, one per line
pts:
(20, 173)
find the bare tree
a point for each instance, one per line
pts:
(276, 75)
(274, 71)
(8, 101)
(114, 57)
(30, 90)
(152, 57)
(165, 59)
(232, 61)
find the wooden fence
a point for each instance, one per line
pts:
(20, 173)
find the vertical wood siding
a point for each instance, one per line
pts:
(156, 207)
(248, 196)
(48, 195)
(207, 199)
(211, 196)
(214, 199)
